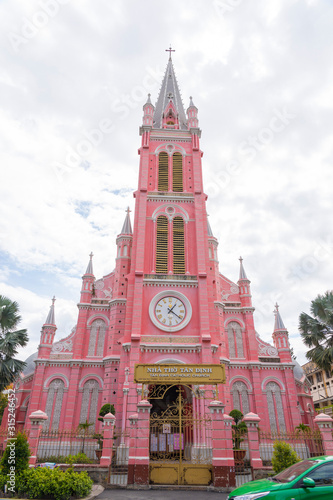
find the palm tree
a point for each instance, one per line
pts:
(10, 340)
(84, 426)
(317, 331)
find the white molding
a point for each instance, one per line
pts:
(236, 319)
(170, 360)
(56, 375)
(272, 379)
(90, 376)
(241, 378)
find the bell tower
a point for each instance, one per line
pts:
(169, 299)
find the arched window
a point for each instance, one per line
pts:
(240, 397)
(96, 339)
(53, 407)
(177, 172)
(235, 338)
(162, 245)
(178, 246)
(89, 403)
(163, 171)
(275, 408)
(125, 251)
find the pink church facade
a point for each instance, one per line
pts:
(165, 302)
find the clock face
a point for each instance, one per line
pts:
(170, 311)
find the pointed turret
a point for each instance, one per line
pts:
(244, 286)
(212, 243)
(278, 324)
(88, 283)
(89, 270)
(124, 253)
(50, 317)
(47, 334)
(127, 227)
(192, 115)
(209, 230)
(169, 109)
(148, 113)
(280, 337)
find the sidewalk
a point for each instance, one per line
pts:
(160, 494)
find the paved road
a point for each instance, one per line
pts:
(160, 494)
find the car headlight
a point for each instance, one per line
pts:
(251, 496)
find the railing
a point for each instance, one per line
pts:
(55, 445)
(118, 470)
(307, 444)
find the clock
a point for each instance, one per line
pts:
(170, 311)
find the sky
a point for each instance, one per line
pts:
(74, 77)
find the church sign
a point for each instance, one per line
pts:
(176, 373)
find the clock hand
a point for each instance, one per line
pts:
(175, 313)
(170, 310)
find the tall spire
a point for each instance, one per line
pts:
(127, 227)
(242, 273)
(278, 325)
(90, 266)
(169, 92)
(50, 317)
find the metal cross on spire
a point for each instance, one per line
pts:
(170, 50)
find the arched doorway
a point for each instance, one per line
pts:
(180, 436)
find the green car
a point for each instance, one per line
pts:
(307, 480)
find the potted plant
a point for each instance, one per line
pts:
(239, 430)
(99, 438)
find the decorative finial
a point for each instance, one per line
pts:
(169, 50)
(241, 259)
(128, 211)
(53, 300)
(91, 255)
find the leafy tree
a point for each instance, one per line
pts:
(317, 331)
(107, 408)
(283, 456)
(302, 430)
(10, 340)
(17, 452)
(239, 428)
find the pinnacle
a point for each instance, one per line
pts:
(50, 320)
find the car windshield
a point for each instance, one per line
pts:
(293, 471)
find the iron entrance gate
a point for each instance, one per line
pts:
(180, 439)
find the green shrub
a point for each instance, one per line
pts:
(54, 483)
(79, 458)
(3, 481)
(283, 456)
(16, 455)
